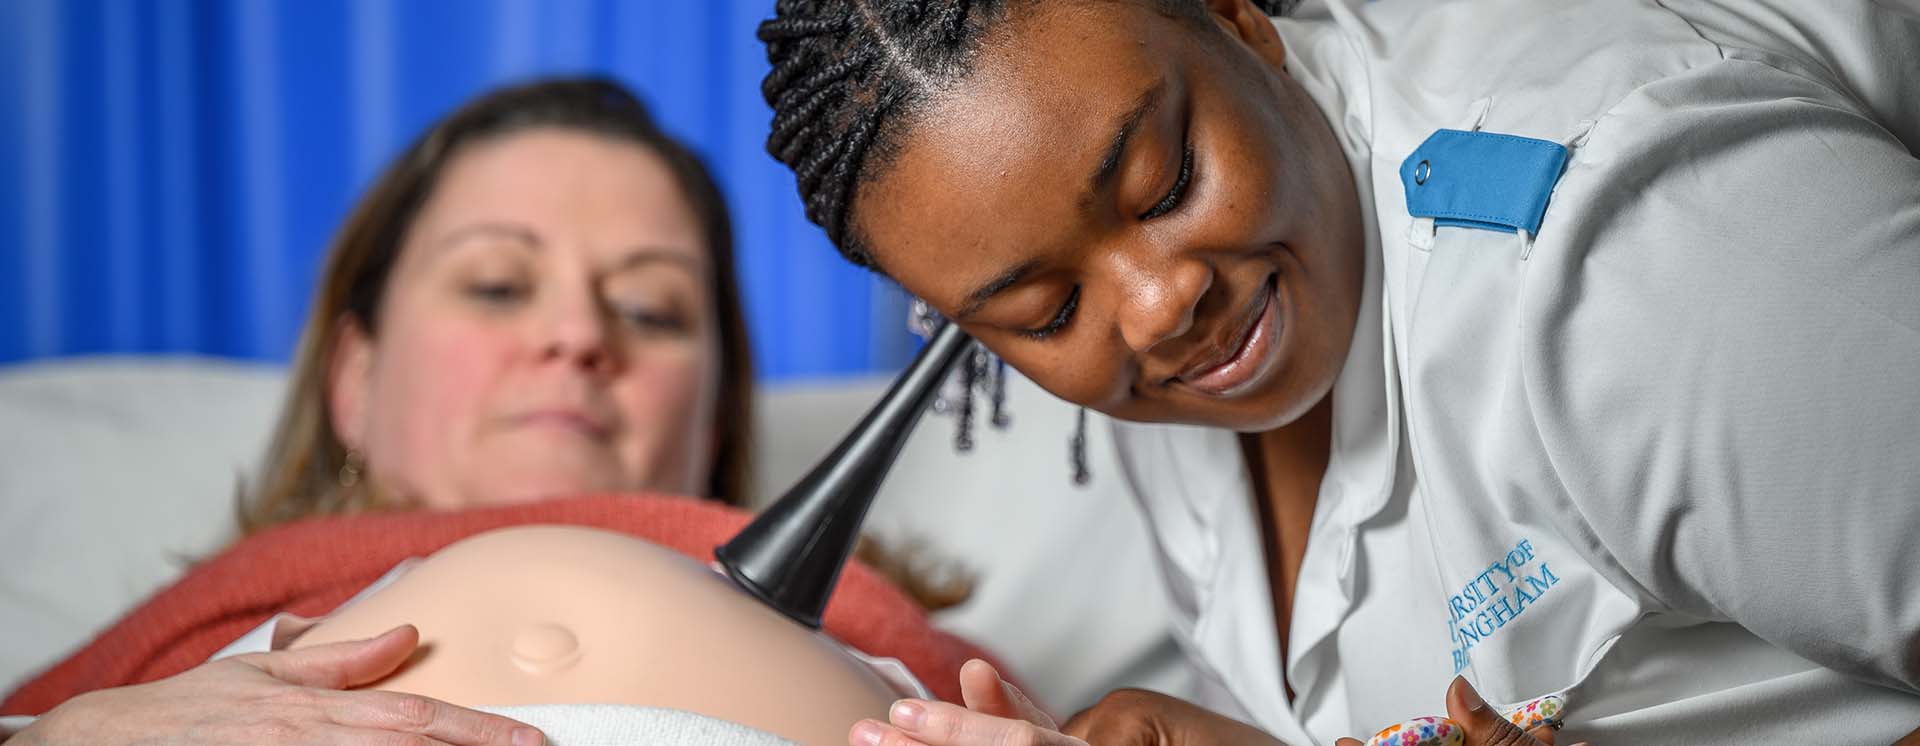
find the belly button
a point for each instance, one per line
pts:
(545, 648)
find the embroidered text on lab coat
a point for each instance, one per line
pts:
(1498, 595)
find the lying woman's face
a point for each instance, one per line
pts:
(1146, 215)
(547, 330)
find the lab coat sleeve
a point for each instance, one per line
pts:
(1726, 370)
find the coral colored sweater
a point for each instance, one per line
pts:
(309, 567)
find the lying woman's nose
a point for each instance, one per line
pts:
(578, 331)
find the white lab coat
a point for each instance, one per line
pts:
(1663, 457)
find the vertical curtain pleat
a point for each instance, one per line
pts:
(170, 172)
(172, 240)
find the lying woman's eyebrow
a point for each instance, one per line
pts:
(647, 255)
(515, 231)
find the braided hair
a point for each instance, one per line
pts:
(847, 73)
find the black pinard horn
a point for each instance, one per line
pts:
(790, 556)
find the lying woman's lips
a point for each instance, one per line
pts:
(1253, 360)
(566, 420)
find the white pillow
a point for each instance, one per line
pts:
(114, 474)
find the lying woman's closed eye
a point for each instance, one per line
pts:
(500, 293)
(651, 314)
(654, 318)
(656, 295)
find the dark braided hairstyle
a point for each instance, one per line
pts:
(847, 74)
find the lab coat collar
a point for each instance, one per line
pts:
(1359, 480)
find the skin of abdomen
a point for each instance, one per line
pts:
(564, 614)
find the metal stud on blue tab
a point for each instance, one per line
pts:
(1482, 180)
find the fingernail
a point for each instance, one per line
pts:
(1471, 697)
(528, 737)
(866, 733)
(1421, 731)
(908, 714)
(1541, 711)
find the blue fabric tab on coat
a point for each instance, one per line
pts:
(1482, 179)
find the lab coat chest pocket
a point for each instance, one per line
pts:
(1526, 614)
(1504, 577)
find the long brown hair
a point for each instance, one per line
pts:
(300, 473)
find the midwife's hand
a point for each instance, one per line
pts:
(1133, 717)
(282, 697)
(996, 714)
(1483, 725)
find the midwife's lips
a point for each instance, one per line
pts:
(1242, 360)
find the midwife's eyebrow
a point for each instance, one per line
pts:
(995, 286)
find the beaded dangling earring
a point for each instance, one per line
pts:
(1000, 417)
(983, 370)
(1077, 449)
(963, 429)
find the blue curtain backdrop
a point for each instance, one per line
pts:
(171, 170)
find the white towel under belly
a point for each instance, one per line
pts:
(632, 725)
